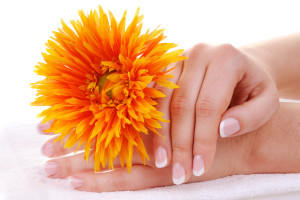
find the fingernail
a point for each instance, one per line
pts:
(229, 126)
(50, 168)
(42, 127)
(198, 165)
(76, 183)
(47, 149)
(178, 174)
(160, 157)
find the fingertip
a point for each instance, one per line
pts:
(50, 169)
(47, 149)
(76, 183)
(222, 129)
(178, 174)
(198, 165)
(41, 127)
(228, 127)
(249, 116)
(161, 157)
(162, 150)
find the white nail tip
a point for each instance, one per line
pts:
(162, 164)
(198, 173)
(222, 134)
(178, 181)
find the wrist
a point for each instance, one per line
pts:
(274, 148)
(242, 149)
(264, 58)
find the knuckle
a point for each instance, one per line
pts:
(197, 49)
(204, 141)
(59, 149)
(180, 106)
(228, 53)
(230, 60)
(204, 108)
(97, 183)
(159, 102)
(164, 90)
(203, 145)
(159, 141)
(64, 167)
(180, 148)
(228, 48)
(160, 88)
(68, 167)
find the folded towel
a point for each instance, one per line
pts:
(21, 177)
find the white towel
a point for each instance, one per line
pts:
(21, 177)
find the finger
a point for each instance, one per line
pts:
(247, 117)
(56, 149)
(183, 113)
(41, 127)
(162, 145)
(66, 166)
(214, 98)
(141, 177)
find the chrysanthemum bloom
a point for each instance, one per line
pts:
(96, 78)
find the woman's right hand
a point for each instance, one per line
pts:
(224, 91)
(247, 80)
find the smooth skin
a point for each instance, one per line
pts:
(223, 90)
(211, 80)
(237, 84)
(271, 149)
(282, 56)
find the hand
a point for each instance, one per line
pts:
(222, 89)
(270, 149)
(142, 176)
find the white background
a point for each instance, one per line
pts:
(26, 25)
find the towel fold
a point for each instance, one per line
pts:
(22, 177)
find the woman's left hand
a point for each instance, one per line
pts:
(266, 150)
(142, 176)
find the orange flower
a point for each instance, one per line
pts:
(96, 78)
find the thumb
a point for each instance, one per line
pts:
(250, 115)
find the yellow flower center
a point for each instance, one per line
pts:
(102, 80)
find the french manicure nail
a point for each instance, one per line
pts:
(229, 126)
(161, 157)
(50, 168)
(76, 183)
(178, 174)
(47, 149)
(198, 165)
